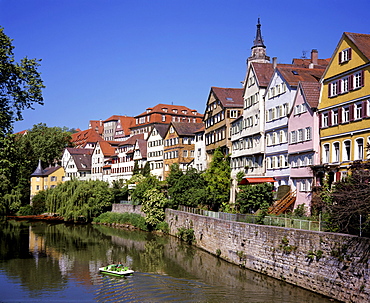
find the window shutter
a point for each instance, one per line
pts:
(350, 82)
(364, 109)
(349, 53)
(351, 112)
(339, 87)
(362, 78)
(329, 117)
(339, 57)
(320, 120)
(339, 115)
(228, 114)
(329, 89)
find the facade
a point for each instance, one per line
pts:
(140, 153)
(279, 98)
(163, 114)
(224, 105)
(77, 163)
(117, 128)
(123, 159)
(101, 160)
(200, 155)
(155, 150)
(42, 179)
(344, 108)
(304, 141)
(179, 145)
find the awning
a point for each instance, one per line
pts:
(256, 180)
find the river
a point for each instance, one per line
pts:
(46, 262)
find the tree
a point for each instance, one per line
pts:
(146, 170)
(154, 203)
(218, 180)
(138, 195)
(189, 189)
(350, 201)
(20, 85)
(255, 197)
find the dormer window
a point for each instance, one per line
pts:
(345, 55)
(175, 111)
(165, 109)
(184, 112)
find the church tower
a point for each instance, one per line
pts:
(258, 48)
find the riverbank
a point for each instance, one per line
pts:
(334, 265)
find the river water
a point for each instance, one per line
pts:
(44, 262)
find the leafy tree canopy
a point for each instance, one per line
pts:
(255, 197)
(20, 85)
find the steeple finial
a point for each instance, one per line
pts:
(258, 41)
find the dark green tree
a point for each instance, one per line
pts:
(189, 190)
(174, 175)
(20, 85)
(146, 170)
(136, 170)
(218, 180)
(138, 194)
(252, 198)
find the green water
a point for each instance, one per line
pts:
(43, 262)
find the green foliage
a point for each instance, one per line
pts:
(124, 218)
(218, 180)
(146, 170)
(153, 205)
(189, 189)
(142, 186)
(163, 227)
(286, 247)
(175, 174)
(255, 197)
(300, 211)
(240, 175)
(136, 170)
(20, 85)
(120, 190)
(186, 234)
(79, 200)
(218, 252)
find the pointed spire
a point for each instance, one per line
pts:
(39, 171)
(258, 41)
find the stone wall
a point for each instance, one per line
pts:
(126, 208)
(335, 265)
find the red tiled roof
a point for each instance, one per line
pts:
(311, 91)
(171, 109)
(143, 147)
(86, 136)
(107, 148)
(362, 41)
(97, 125)
(126, 122)
(132, 140)
(304, 62)
(293, 74)
(229, 97)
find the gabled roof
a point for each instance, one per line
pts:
(161, 129)
(263, 72)
(304, 62)
(107, 149)
(229, 97)
(311, 92)
(97, 126)
(79, 151)
(362, 41)
(293, 74)
(125, 123)
(141, 143)
(131, 140)
(82, 161)
(171, 109)
(187, 129)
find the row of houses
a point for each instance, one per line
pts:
(290, 124)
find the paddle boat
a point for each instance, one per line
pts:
(116, 270)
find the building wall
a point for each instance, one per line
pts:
(44, 182)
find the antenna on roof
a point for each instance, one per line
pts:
(304, 54)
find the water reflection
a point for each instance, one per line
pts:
(58, 262)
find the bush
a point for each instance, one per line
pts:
(125, 218)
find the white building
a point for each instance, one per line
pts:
(155, 150)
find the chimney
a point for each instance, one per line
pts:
(274, 62)
(314, 56)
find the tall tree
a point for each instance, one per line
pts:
(218, 180)
(20, 85)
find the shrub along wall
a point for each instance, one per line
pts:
(335, 265)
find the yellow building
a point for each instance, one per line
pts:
(49, 177)
(344, 108)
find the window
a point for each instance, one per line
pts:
(336, 152)
(344, 85)
(345, 114)
(358, 80)
(325, 154)
(53, 178)
(300, 135)
(345, 55)
(233, 113)
(359, 149)
(335, 117)
(293, 136)
(308, 135)
(325, 120)
(358, 110)
(185, 153)
(333, 89)
(347, 151)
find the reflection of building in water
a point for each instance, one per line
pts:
(37, 247)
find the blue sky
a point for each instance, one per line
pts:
(118, 57)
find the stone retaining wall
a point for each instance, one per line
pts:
(335, 265)
(125, 208)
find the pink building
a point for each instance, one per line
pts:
(304, 141)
